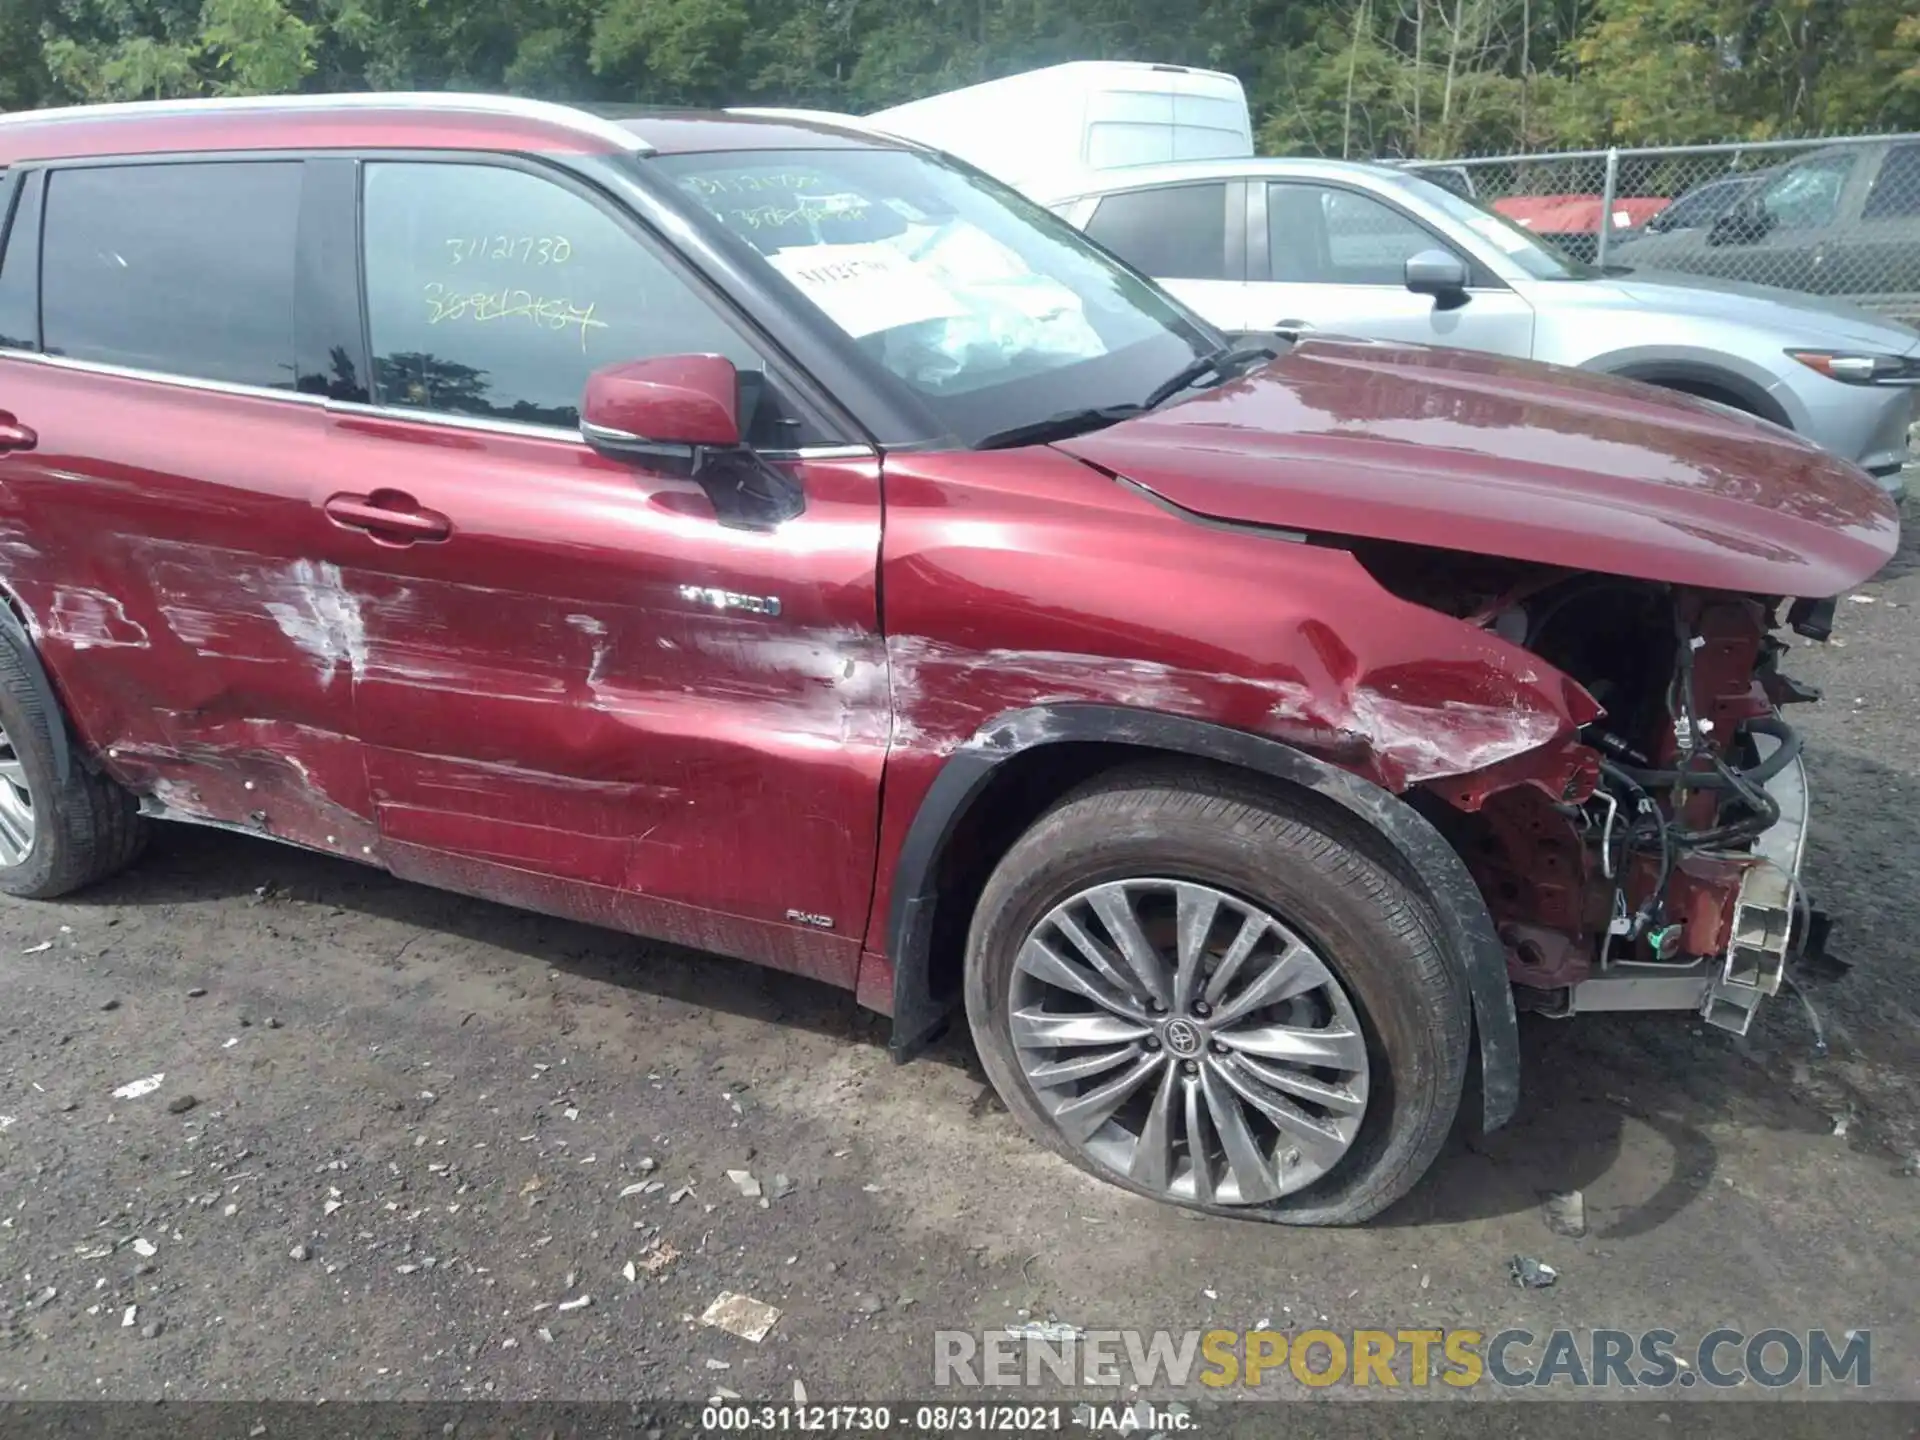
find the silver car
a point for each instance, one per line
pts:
(1286, 246)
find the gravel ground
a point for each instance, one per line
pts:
(408, 1145)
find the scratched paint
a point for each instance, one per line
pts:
(320, 615)
(92, 619)
(1407, 742)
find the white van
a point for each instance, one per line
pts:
(1033, 129)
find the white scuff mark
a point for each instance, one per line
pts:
(320, 615)
(823, 689)
(15, 546)
(922, 671)
(597, 666)
(458, 674)
(87, 619)
(1425, 742)
(198, 628)
(1455, 737)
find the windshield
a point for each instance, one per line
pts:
(992, 311)
(1517, 243)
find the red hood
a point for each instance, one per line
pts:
(1505, 457)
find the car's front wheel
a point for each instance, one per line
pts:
(1195, 988)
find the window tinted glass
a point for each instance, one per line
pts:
(1325, 235)
(1808, 193)
(1518, 246)
(186, 269)
(18, 321)
(1698, 207)
(1896, 189)
(494, 292)
(1178, 233)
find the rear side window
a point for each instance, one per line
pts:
(182, 269)
(18, 322)
(1896, 189)
(1175, 233)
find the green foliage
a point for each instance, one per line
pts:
(1358, 77)
(256, 46)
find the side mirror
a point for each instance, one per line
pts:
(1441, 274)
(682, 412)
(667, 403)
(1742, 225)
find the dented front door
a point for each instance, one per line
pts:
(581, 691)
(593, 699)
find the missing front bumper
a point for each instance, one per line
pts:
(1728, 992)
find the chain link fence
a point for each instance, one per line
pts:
(1837, 218)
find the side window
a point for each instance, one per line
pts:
(1896, 189)
(19, 285)
(493, 292)
(1324, 235)
(1175, 233)
(186, 269)
(1807, 194)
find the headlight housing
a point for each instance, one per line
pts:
(1853, 367)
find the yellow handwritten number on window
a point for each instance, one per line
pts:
(446, 305)
(510, 249)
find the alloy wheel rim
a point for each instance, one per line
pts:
(1188, 1041)
(16, 806)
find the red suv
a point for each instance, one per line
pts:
(788, 542)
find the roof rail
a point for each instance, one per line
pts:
(445, 100)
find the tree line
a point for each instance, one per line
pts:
(1404, 78)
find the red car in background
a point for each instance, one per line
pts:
(791, 543)
(1572, 222)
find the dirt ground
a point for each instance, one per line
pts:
(415, 1117)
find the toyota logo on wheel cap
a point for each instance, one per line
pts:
(1183, 1037)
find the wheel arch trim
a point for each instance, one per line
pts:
(965, 776)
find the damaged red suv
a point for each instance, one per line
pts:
(784, 541)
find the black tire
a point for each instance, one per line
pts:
(1326, 878)
(86, 827)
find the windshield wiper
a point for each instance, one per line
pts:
(1220, 362)
(1063, 426)
(1069, 423)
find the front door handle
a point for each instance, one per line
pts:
(391, 517)
(14, 435)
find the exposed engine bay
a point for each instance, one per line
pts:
(1665, 875)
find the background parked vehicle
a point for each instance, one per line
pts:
(1699, 207)
(1835, 218)
(1088, 115)
(1292, 246)
(1842, 221)
(1572, 223)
